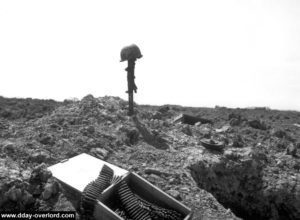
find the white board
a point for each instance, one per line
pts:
(81, 170)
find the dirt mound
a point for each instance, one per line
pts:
(159, 150)
(15, 108)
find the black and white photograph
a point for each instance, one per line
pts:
(150, 110)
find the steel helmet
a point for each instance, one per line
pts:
(130, 52)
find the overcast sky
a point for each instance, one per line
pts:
(195, 53)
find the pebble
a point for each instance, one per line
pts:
(9, 147)
(172, 180)
(90, 129)
(26, 174)
(197, 124)
(154, 171)
(14, 194)
(101, 153)
(27, 198)
(45, 175)
(291, 150)
(185, 189)
(51, 189)
(40, 157)
(154, 178)
(175, 194)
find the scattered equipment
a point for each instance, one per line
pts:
(103, 191)
(212, 144)
(191, 120)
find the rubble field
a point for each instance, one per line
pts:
(255, 176)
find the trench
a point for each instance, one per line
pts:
(241, 186)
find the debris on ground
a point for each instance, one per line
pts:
(256, 176)
(191, 120)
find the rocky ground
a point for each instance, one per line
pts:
(256, 176)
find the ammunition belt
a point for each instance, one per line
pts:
(138, 209)
(121, 212)
(93, 190)
(115, 179)
(131, 203)
(159, 212)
